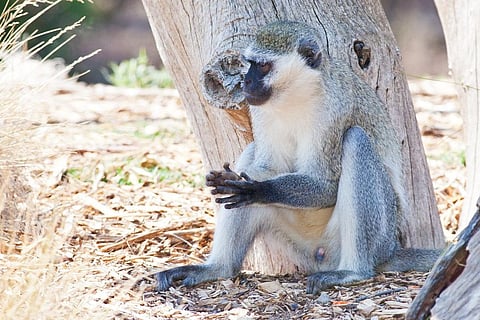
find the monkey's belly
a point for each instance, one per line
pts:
(306, 228)
(308, 245)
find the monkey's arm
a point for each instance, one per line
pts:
(291, 190)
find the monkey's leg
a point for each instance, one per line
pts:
(235, 231)
(364, 218)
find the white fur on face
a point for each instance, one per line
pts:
(294, 84)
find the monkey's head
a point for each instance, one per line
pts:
(283, 60)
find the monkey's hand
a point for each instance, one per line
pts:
(218, 178)
(243, 189)
(243, 192)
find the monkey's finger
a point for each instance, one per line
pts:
(245, 176)
(163, 282)
(241, 184)
(166, 278)
(212, 183)
(231, 199)
(219, 179)
(239, 204)
(235, 201)
(213, 174)
(226, 167)
(215, 182)
(230, 176)
(222, 189)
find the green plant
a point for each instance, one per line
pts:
(454, 157)
(463, 159)
(450, 157)
(165, 174)
(137, 73)
(74, 173)
(145, 134)
(195, 180)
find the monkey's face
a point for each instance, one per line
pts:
(256, 87)
(285, 80)
(281, 69)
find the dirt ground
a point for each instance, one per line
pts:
(126, 178)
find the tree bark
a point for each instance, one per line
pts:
(199, 42)
(461, 25)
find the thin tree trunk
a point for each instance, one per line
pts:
(461, 25)
(199, 42)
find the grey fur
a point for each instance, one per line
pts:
(323, 175)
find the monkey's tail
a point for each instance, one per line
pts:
(411, 259)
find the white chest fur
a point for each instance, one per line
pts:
(285, 137)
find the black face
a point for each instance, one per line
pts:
(254, 88)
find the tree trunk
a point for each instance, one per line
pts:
(461, 25)
(199, 42)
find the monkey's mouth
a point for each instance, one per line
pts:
(257, 100)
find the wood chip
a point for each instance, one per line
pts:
(271, 286)
(366, 307)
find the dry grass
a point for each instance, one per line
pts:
(33, 279)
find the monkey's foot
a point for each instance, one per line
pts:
(322, 280)
(189, 276)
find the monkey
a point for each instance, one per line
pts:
(322, 178)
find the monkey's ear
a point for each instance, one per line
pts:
(309, 49)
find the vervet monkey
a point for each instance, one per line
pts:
(323, 176)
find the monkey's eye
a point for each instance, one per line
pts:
(265, 67)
